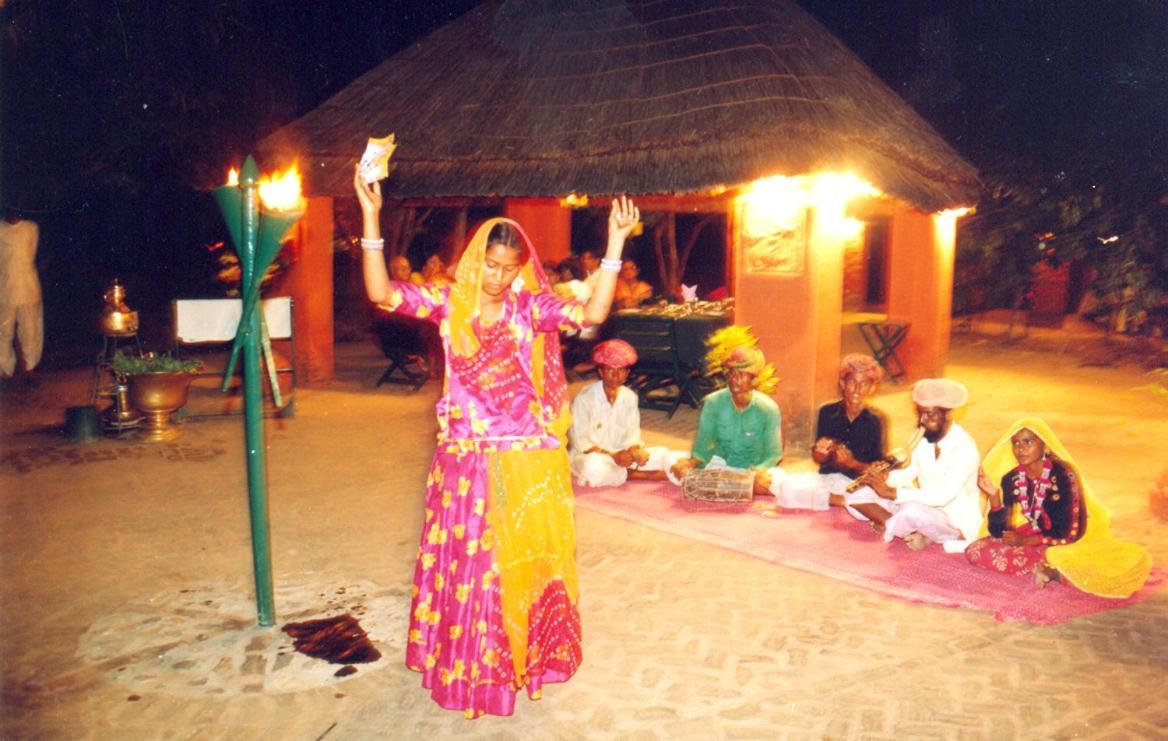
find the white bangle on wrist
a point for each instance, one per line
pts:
(610, 266)
(372, 245)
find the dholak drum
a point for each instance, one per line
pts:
(718, 485)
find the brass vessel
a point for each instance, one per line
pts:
(157, 396)
(121, 415)
(117, 319)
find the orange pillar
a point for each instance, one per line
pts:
(796, 315)
(920, 288)
(310, 283)
(547, 223)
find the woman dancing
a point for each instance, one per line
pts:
(495, 592)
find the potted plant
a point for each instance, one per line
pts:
(158, 385)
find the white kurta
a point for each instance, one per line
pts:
(612, 427)
(936, 495)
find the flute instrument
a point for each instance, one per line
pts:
(896, 459)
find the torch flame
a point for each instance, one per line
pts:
(281, 191)
(233, 177)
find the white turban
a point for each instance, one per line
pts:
(939, 392)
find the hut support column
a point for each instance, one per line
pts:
(796, 316)
(310, 283)
(920, 288)
(547, 223)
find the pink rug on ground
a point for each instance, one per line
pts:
(834, 544)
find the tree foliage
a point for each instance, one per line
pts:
(1063, 108)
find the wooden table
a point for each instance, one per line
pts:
(671, 351)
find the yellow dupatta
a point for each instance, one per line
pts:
(530, 491)
(1097, 563)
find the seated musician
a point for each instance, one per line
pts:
(934, 497)
(740, 426)
(1044, 521)
(849, 436)
(605, 438)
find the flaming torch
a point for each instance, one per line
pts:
(257, 233)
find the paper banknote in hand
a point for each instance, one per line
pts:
(375, 161)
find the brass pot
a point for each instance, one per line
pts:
(119, 323)
(158, 395)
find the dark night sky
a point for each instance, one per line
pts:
(131, 90)
(113, 109)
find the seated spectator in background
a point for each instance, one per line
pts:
(740, 426)
(399, 268)
(631, 291)
(935, 496)
(605, 438)
(590, 261)
(849, 437)
(433, 272)
(1045, 522)
(571, 285)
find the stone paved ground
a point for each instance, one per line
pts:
(127, 583)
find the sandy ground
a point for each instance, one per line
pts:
(127, 599)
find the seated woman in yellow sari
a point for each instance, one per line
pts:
(1044, 520)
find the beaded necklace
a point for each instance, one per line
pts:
(1032, 503)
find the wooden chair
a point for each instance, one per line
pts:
(403, 342)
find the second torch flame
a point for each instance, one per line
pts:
(278, 192)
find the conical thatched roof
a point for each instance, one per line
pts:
(547, 97)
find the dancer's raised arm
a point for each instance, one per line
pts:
(372, 245)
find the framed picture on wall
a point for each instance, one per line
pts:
(772, 242)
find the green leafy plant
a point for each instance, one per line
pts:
(128, 365)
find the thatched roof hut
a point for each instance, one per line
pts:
(530, 98)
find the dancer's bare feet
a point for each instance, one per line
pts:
(877, 527)
(916, 541)
(1044, 575)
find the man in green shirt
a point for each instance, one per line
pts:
(740, 427)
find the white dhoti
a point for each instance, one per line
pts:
(25, 321)
(808, 490)
(907, 517)
(599, 469)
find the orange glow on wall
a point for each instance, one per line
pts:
(776, 204)
(945, 229)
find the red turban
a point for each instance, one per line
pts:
(614, 354)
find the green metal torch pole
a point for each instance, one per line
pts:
(253, 400)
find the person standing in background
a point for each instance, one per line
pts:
(21, 309)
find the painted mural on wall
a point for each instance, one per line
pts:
(772, 241)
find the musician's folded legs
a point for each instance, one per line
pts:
(806, 490)
(919, 525)
(865, 504)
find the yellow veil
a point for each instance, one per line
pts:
(531, 506)
(1098, 563)
(547, 365)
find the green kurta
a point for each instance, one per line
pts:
(751, 438)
